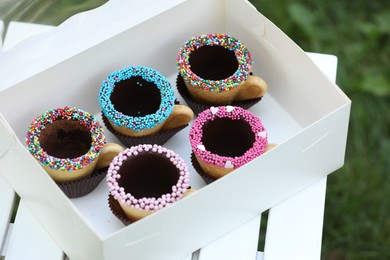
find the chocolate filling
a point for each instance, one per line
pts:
(227, 137)
(65, 139)
(213, 62)
(136, 97)
(148, 175)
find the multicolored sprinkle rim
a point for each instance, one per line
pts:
(235, 113)
(244, 59)
(149, 204)
(66, 113)
(134, 122)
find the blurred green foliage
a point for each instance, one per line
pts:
(52, 12)
(358, 32)
(357, 223)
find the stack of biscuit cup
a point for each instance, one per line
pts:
(215, 69)
(225, 138)
(70, 145)
(138, 106)
(144, 179)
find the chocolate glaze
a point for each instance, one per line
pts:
(213, 62)
(65, 139)
(148, 175)
(227, 137)
(134, 100)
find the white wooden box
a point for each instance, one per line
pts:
(304, 113)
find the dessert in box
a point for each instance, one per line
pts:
(225, 138)
(303, 112)
(144, 179)
(215, 69)
(138, 106)
(71, 146)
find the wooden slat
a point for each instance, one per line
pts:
(240, 243)
(294, 228)
(7, 198)
(29, 240)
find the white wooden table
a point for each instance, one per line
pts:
(294, 227)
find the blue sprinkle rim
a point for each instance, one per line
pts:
(134, 122)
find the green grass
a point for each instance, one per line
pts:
(357, 222)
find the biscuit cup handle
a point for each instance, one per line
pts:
(180, 116)
(189, 192)
(109, 151)
(253, 87)
(269, 147)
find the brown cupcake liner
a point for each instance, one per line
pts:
(117, 210)
(199, 170)
(198, 107)
(84, 186)
(159, 138)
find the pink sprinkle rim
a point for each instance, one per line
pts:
(196, 135)
(148, 204)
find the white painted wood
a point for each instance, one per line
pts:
(240, 243)
(326, 63)
(259, 256)
(29, 240)
(294, 229)
(7, 197)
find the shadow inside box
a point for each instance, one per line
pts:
(198, 107)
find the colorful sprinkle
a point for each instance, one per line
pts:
(137, 123)
(234, 113)
(65, 113)
(150, 204)
(244, 59)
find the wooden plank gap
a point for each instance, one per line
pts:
(15, 208)
(263, 230)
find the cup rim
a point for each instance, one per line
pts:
(150, 204)
(65, 113)
(244, 59)
(137, 123)
(233, 112)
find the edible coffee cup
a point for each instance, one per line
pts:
(69, 144)
(139, 101)
(225, 138)
(146, 178)
(216, 69)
